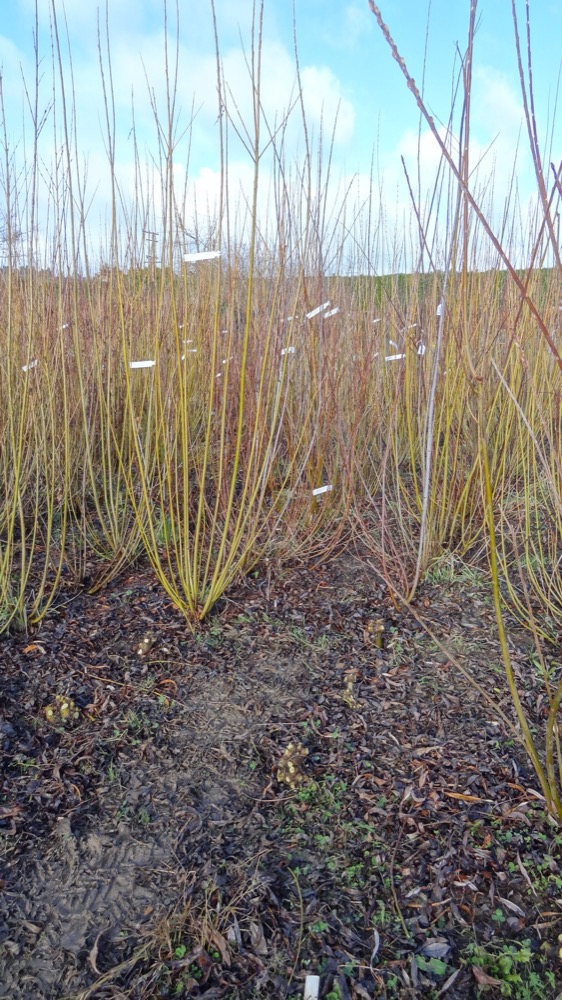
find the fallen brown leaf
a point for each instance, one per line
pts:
(463, 797)
(482, 978)
(257, 938)
(215, 939)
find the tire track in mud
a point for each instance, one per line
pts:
(86, 897)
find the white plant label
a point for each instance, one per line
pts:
(311, 988)
(193, 258)
(439, 311)
(333, 312)
(318, 310)
(287, 350)
(321, 489)
(32, 364)
(141, 364)
(395, 357)
(421, 350)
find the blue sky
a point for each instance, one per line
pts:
(346, 69)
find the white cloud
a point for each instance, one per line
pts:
(423, 148)
(497, 105)
(357, 21)
(325, 104)
(498, 156)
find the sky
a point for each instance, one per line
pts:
(353, 93)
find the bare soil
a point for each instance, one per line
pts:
(303, 785)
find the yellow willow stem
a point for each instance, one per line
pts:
(548, 788)
(552, 738)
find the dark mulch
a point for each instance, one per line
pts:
(304, 785)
